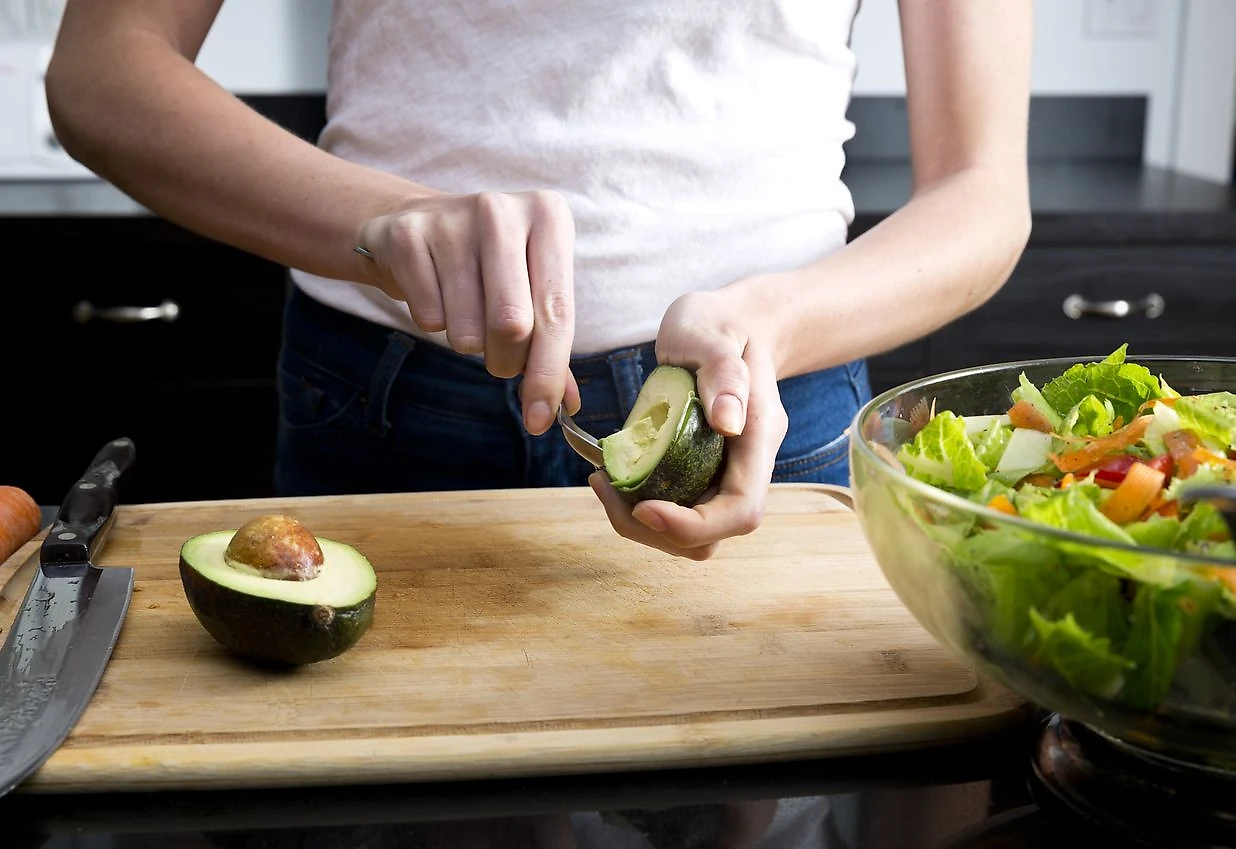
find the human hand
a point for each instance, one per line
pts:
(732, 356)
(495, 272)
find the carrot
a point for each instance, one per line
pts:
(1024, 414)
(1168, 508)
(1149, 405)
(1096, 447)
(1201, 455)
(1225, 576)
(1160, 506)
(1139, 489)
(20, 520)
(1001, 502)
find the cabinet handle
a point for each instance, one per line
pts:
(85, 312)
(1151, 306)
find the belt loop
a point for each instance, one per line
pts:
(398, 346)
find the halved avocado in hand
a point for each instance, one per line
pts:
(272, 591)
(666, 449)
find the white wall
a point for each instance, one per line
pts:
(1181, 54)
(1098, 47)
(269, 46)
(1204, 135)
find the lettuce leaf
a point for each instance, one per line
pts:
(1212, 415)
(1087, 662)
(989, 443)
(942, 455)
(1126, 386)
(1095, 600)
(1076, 509)
(1166, 624)
(1006, 574)
(1202, 523)
(1156, 532)
(1207, 474)
(1091, 416)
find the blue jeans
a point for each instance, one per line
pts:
(363, 408)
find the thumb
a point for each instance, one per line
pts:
(724, 384)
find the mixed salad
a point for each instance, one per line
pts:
(1106, 450)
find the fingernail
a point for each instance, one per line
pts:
(727, 415)
(538, 418)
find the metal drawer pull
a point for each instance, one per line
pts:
(85, 312)
(1151, 306)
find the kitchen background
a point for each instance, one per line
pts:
(1133, 122)
(1179, 55)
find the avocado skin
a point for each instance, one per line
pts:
(281, 632)
(689, 466)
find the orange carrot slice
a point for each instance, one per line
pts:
(1139, 489)
(1096, 447)
(1001, 502)
(1202, 455)
(1025, 414)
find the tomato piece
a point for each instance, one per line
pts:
(1163, 463)
(1110, 469)
(1114, 469)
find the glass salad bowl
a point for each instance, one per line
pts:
(1034, 517)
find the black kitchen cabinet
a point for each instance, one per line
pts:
(194, 383)
(1074, 301)
(130, 326)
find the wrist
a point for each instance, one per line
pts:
(768, 302)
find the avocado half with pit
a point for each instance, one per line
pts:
(666, 449)
(272, 591)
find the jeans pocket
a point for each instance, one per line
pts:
(829, 463)
(821, 406)
(312, 397)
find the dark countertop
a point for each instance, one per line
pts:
(1083, 203)
(934, 799)
(1073, 202)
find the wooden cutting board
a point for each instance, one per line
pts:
(516, 634)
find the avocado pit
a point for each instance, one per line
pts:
(277, 547)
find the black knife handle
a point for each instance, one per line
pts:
(89, 508)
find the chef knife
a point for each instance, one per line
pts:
(58, 646)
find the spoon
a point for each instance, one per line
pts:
(584, 443)
(586, 446)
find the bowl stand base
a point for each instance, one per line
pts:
(1148, 799)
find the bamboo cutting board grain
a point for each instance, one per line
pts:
(516, 634)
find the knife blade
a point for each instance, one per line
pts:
(62, 638)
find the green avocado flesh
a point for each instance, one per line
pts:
(666, 449)
(287, 622)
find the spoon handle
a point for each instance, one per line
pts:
(584, 443)
(1222, 496)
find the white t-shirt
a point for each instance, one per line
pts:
(696, 142)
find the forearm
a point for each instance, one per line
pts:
(165, 133)
(944, 253)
